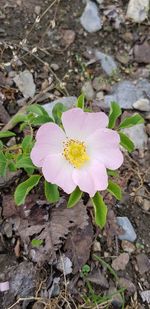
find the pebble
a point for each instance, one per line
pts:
(127, 246)
(142, 105)
(108, 64)
(146, 205)
(143, 263)
(37, 9)
(88, 91)
(96, 246)
(55, 66)
(142, 53)
(129, 233)
(138, 135)
(25, 83)
(128, 285)
(138, 10)
(98, 278)
(117, 300)
(69, 102)
(120, 262)
(127, 92)
(90, 19)
(145, 295)
(64, 265)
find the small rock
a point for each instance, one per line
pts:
(128, 285)
(117, 300)
(55, 66)
(8, 229)
(88, 91)
(142, 53)
(69, 102)
(145, 295)
(90, 19)
(142, 105)
(96, 246)
(25, 83)
(37, 9)
(121, 261)
(68, 37)
(107, 62)
(100, 95)
(98, 278)
(129, 233)
(64, 265)
(143, 263)
(127, 246)
(123, 58)
(138, 135)
(138, 10)
(146, 205)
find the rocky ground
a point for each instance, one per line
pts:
(50, 51)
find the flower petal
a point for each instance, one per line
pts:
(80, 125)
(50, 133)
(58, 171)
(39, 152)
(91, 178)
(104, 147)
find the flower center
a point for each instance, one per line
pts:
(75, 153)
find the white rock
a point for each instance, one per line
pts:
(145, 296)
(138, 10)
(88, 91)
(64, 265)
(142, 105)
(137, 135)
(107, 62)
(90, 19)
(25, 83)
(129, 233)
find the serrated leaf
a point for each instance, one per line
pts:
(80, 101)
(57, 111)
(25, 162)
(36, 242)
(74, 197)
(4, 134)
(131, 121)
(115, 112)
(115, 190)
(51, 192)
(38, 110)
(38, 121)
(100, 210)
(24, 188)
(27, 143)
(3, 164)
(126, 142)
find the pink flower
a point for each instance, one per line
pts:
(79, 155)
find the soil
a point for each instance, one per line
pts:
(29, 43)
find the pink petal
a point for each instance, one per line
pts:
(79, 124)
(104, 147)
(58, 171)
(50, 139)
(91, 178)
(4, 286)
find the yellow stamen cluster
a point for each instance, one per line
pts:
(75, 153)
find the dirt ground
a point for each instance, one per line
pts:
(46, 38)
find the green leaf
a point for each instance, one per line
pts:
(38, 121)
(57, 111)
(51, 192)
(131, 121)
(4, 134)
(24, 188)
(19, 118)
(38, 110)
(27, 144)
(22, 126)
(36, 242)
(1, 145)
(100, 210)
(112, 173)
(25, 162)
(115, 190)
(126, 142)
(3, 164)
(12, 167)
(80, 101)
(74, 197)
(115, 112)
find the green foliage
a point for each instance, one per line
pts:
(85, 269)
(131, 121)
(126, 142)
(80, 101)
(115, 190)
(3, 164)
(51, 192)
(19, 118)
(36, 242)
(27, 144)
(74, 197)
(24, 162)
(100, 210)
(115, 112)
(38, 110)
(24, 188)
(112, 173)
(4, 134)
(57, 111)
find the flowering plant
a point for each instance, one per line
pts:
(76, 150)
